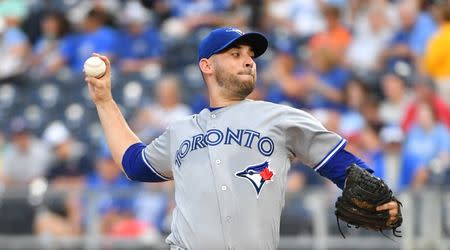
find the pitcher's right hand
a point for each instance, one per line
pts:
(100, 88)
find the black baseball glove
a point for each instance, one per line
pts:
(362, 193)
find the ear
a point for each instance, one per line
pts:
(205, 66)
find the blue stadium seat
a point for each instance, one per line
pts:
(35, 117)
(49, 95)
(131, 94)
(74, 114)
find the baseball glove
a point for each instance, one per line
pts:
(362, 193)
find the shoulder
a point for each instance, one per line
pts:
(182, 122)
(264, 107)
(264, 104)
(15, 35)
(283, 115)
(442, 129)
(183, 109)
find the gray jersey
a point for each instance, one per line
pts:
(230, 168)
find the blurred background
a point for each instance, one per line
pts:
(377, 72)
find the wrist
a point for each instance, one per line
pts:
(105, 103)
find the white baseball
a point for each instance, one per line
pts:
(94, 67)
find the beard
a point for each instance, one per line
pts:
(236, 87)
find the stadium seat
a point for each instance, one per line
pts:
(49, 95)
(132, 93)
(35, 116)
(74, 115)
(8, 93)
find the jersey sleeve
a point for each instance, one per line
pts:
(157, 155)
(309, 140)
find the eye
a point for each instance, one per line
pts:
(235, 54)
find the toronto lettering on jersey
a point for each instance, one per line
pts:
(243, 137)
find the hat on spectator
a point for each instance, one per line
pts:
(222, 38)
(56, 133)
(134, 12)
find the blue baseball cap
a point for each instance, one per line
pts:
(222, 38)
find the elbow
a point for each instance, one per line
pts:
(137, 168)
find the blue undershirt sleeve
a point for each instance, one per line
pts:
(137, 168)
(335, 167)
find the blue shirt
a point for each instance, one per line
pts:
(417, 37)
(420, 148)
(182, 8)
(336, 78)
(107, 201)
(276, 95)
(13, 36)
(376, 161)
(147, 44)
(79, 47)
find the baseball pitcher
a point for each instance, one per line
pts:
(230, 161)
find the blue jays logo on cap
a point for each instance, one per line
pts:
(222, 38)
(258, 175)
(231, 29)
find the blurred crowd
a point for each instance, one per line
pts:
(376, 72)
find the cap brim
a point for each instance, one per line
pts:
(256, 41)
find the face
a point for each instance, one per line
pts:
(167, 92)
(63, 150)
(393, 87)
(425, 115)
(50, 26)
(355, 94)
(408, 13)
(235, 71)
(21, 140)
(377, 19)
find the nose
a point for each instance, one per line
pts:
(249, 62)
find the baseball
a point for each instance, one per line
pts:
(94, 67)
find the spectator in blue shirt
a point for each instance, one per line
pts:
(352, 121)
(140, 44)
(326, 79)
(95, 37)
(284, 77)
(426, 149)
(113, 206)
(46, 55)
(14, 48)
(409, 43)
(185, 8)
(189, 15)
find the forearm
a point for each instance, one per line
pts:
(336, 167)
(329, 92)
(118, 134)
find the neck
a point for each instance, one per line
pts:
(397, 98)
